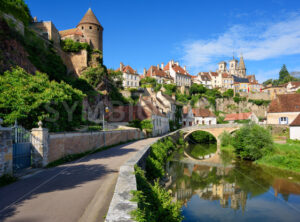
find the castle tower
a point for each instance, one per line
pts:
(233, 65)
(92, 30)
(242, 67)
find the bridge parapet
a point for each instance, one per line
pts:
(216, 126)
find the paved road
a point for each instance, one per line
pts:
(78, 191)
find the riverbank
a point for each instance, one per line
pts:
(284, 156)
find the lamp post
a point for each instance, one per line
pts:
(106, 110)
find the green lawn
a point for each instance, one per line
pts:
(284, 156)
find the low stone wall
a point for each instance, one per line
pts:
(62, 144)
(6, 150)
(121, 204)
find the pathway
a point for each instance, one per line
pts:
(78, 191)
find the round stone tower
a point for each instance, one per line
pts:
(92, 30)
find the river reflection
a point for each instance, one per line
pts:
(238, 191)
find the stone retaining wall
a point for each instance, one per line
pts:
(6, 150)
(62, 144)
(121, 204)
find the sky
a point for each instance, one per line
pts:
(197, 33)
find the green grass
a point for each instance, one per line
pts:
(73, 157)
(284, 156)
(7, 179)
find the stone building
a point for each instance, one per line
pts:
(88, 30)
(131, 79)
(235, 67)
(159, 74)
(203, 78)
(295, 129)
(180, 75)
(203, 117)
(284, 109)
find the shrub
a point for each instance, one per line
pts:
(228, 93)
(147, 125)
(252, 141)
(225, 138)
(170, 89)
(154, 202)
(260, 102)
(154, 169)
(18, 9)
(69, 45)
(202, 137)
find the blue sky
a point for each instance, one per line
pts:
(196, 33)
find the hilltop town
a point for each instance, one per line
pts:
(165, 132)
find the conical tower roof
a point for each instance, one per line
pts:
(89, 18)
(242, 63)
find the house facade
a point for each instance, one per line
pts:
(180, 76)
(187, 117)
(273, 91)
(284, 109)
(131, 79)
(203, 117)
(231, 118)
(293, 86)
(159, 74)
(295, 129)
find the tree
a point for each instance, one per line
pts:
(283, 74)
(170, 89)
(94, 76)
(267, 82)
(30, 98)
(251, 142)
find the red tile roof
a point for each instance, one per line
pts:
(205, 76)
(157, 72)
(295, 85)
(285, 103)
(67, 32)
(177, 69)
(127, 69)
(296, 121)
(198, 112)
(225, 75)
(214, 74)
(237, 116)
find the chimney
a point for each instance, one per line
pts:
(145, 72)
(121, 66)
(158, 66)
(35, 19)
(162, 65)
(135, 71)
(151, 71)
(184, 68)
(177, 63)
(172, 62)
(173, 96)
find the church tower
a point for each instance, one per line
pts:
(92, 30)
(233, 65)
(242, 67)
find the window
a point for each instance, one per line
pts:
(283, 120)
(90, 27)
(98, 28)
(82, 27)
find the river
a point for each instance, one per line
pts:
(231, 190)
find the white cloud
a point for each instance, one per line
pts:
(256, 42)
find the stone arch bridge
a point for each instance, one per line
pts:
(215, 130)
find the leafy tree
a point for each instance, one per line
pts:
(203, 137)
(94, 76)
(251, 142)
(298, 91)
(30, 98)
(267, 82)
(157, 87)
(147, 125)
(183, 98)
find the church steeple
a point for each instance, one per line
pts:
(242, 67)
